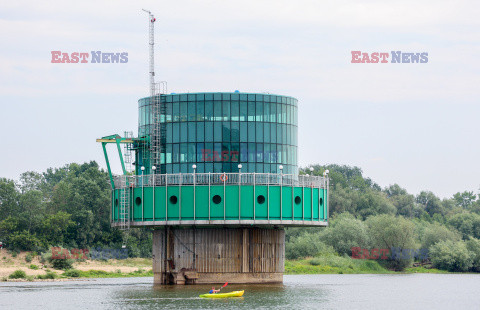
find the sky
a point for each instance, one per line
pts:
(413, 124)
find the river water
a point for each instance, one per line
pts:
(398, 291)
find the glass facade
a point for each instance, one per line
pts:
(218, 131)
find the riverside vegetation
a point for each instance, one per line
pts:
(69, 207)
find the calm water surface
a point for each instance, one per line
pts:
(414, 291)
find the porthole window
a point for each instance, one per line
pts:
(261, 199)
(173, 199)
(321, 201)
(138, 200)
(217, 199)
(298, 200)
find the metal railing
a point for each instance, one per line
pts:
(220, 179)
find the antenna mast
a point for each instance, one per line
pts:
(151, 34)
(157, 131)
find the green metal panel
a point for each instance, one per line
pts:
(187, 202)
(274, 197)
(270, 209)
(247, 203)
(325, 205)
(261, 210)
(201, 202)
(314, 202)
(287, 203)
(173, 208)
(307, 202)
(148, 204)
(322, 204)
(231, 198)
(115, 205)
(160, 203)
(216, 210)
(298, 207)
(137, 204)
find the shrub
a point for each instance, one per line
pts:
(315, 261)
(29, 257)
(451, 256)
(72, 273)
(306, 245)
(18, 274)
(34, 267)
(62, 264)
(48, 275)
(57, 263)
(24, 241)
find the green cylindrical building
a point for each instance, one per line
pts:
(216, 176)
(218, 131)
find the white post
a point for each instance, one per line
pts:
(153, 190)
(281, 191)
(209, 199)
(143, 181)
(239, 191)
(194, 191)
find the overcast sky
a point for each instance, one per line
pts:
(412, 124)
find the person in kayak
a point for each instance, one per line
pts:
(213, 290)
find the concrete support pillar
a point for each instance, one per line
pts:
(158, 256)
(245, 251)
(217, 255)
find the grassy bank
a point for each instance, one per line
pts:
(333, 265)
(21, 268)
(345, 265)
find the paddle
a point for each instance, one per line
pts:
(224, 285)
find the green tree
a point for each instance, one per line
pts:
(436, 232)
(465, 199)
(345, 232)
(473, 245)
(31, 209)
(9, 198)
(32, 181)
(466, 223)
(395, 190)
(23, 241)
(55, 227)
(431, 203)
(388, 231)
(373, 203)
(450, 255)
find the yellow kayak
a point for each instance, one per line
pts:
(223, 295)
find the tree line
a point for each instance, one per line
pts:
(362, 214)
(70, 207)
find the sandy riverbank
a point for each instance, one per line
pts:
(9, 263)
